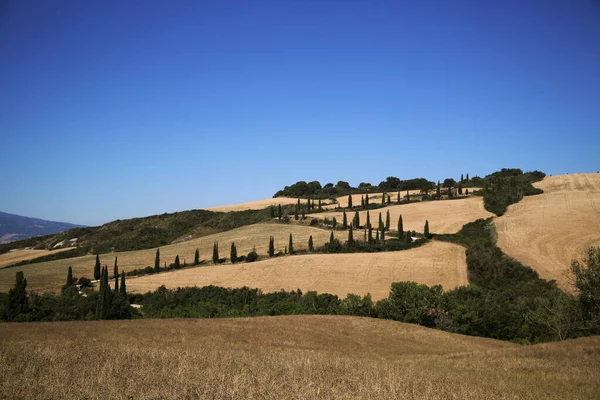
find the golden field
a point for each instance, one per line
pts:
(292, 357)
(549, 230)
(359, 273)
(255, 205)
(445, 216)
(18, 255)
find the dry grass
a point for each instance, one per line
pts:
(359, 273)
(295, 357)
(22, 255)
(547, 231)
(445, 216)
(375, 198)
(49, 276)
(255, 205)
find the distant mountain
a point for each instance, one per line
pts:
(16, 227)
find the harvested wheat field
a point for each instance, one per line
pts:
(49, 276)
(16, 256)
(301, 357)
(254, 205)
(549, 230)
(359, 273)
(445, 216)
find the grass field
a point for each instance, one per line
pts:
(549, 230)
(292, 357)
(22, 255)
(358, 273)
(255, 205)
(49, 276)
(445, 216)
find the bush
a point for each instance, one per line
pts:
(252, 256)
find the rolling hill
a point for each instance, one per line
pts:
(16, 227)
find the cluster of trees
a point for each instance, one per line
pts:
(508, 186)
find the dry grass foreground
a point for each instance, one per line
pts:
(255, 205)
(49, 276)
(358, 273)
(292, 357)
(16, 256)
(445, 216)
(549, 230)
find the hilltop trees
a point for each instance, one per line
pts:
(215, 256)
(233, 254)
(97, 273)
(271, 246)
(197, 257)
(157, 261)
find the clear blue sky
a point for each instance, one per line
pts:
(116, 109)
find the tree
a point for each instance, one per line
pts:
(377, 236)
(344, 220)
(400, 228)
(296, 213)
(389, 199)
(97, 273)
(334, 222)
(331, 238)
(408, 238)
(362, 201)
(176, 264)
(460, 188)
(383, 198)
(157, 261)
(407, 196)
(438, 193)
(271, 212)
(368, 221)
(116, 269)
(356, 220)
(387, 220)
(215, 257)
(382, 237)
(105, 297)
(380, 222)
(350, 201)
(398, 198)
(291, 245)
(461, 178)
(16, 301)
(69, 278)
(123, 288)
(426, 230)
(271, 246)
(367, 200)
(320, 205)
(467, 192)
(370, 235)
(117, 284)
(233, 253)
(197, 257)
(279, 211)
(467, 177)
(350, 237)
(310, 244)
(587, 283)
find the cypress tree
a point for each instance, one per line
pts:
(310, 244)
(389, 199)
(69, 277)
(367, 200)
(350, 237)
(271, 246)
(233, 253)
(303, 213)
(467, 192)
(383, 198)
(176, 265)
(16, 301)
(157, 261)
(334, 222)
(356, 219)
(387, 220)
(400, 228)
(344, 220)
(362, 201)
(350, 201)
(320, 204)
(370, 235)
(377, 236)
(407, 237)
(407, 196)
(97, 273)
(116, 269)
(398, 198)
(368, 221)
(331, 238)
(365, 235)
(296, 213)
(461, 177)
(380, 222)
(312, 205)
(272, 212)
(459, 188)
(215, 257)
(197, 256)
(291, 245)
(437, 191)
(426, 229)
(383, 236)
(117, 284)
(467, 177)
(279, 211)
(123, 288)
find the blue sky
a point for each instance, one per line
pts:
(118, 109)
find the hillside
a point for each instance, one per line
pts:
(16, 227)
(359, 273)
(549, 230)
(300, 357)
(255, 205)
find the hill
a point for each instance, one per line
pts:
(295, 357)
(549, 230)
(16, 227)
(255, 205)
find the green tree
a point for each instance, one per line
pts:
(69, 278)
(426, 230)
(398, 198)
(350, 237)
(389, 199)
(344, 220)
(279, 211)
(367, 200)
(400, 228)
(97, 273)
(16, 301)
(311, 247)
(177, 264)
(350, 201)
(362, 201)
(460, 188)
(331, 238)
(461, 178)
(116, 269)
(215, 256)
(233, 253)
(467, 177)
(407, 196)
(272, 212)
(380, 222)
(334, 222)
(320, 208)
(271, 246)
(356, 220)
(587, 283)
(382, 237)
(197, 256)
(383, 198)
(377, 236)
(291, 245)
(157, 261)
(123, 288)
(368, 221)
(438, 193)
(370, 238)
(296, 213)
(117, 284)
(411, 302)
(467, 192)
(387, 220)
